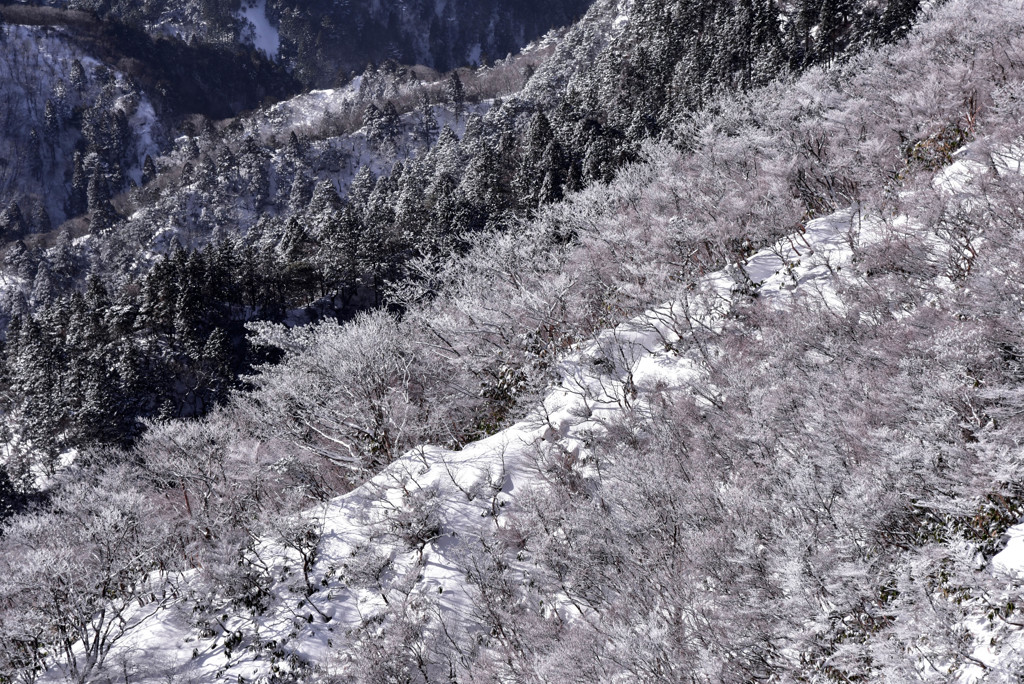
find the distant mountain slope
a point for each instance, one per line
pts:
(65, 115)
(78, 95)
(323, 42)
(213, 79)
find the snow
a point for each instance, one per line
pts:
(973, 162)
(1011, 559)
(998, 649)
(470, 489)
(311, 109)
(624, 12)
(144, 122)
(261, 33)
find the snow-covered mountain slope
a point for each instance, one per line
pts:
(406, 535)
(410, 540)
(799, 467)
(55, 98)
(322, 42)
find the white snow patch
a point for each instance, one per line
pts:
(263, 35)
(1011, 559)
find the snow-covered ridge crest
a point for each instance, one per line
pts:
(404, 539)
(405, 535)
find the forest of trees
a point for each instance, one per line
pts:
(279, 237)
(323, 43)
(329, 299)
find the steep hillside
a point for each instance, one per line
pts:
(424, 532)
(84, 104)
(749, 410)
(65, 116)
(243, 219)
(323, 43)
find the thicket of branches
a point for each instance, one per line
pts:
(301, 222)
(727, 540)
(823, 505)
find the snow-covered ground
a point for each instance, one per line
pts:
(260, 32)
(458, 497)
(406, 532)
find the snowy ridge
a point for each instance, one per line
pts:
(401, 537)
(404, 537)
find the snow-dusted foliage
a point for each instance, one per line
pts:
(343, 200)
(323, 42)
(736, 404)
(65, 117)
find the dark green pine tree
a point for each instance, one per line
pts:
(446, 157)
(768, 52)
(12, 500)
(190, 305)
(102, 218)
(411, 212)
(301, 192)
(98, 189)
(92, 388)
(802, 50)
(191, 148)
(834, 18)
(44, 289)
(294, 150)
(79, 81)
(425, 129)
(20, 261)
(486, 183)
(324, 205)
(215, 369)
(539, 156)
(452, 217)
(455, 94)
(252, 168)
(382, 127)
(897, 19)
(148, 170)
(361, 188)
(598, 159)
(39, 218)
(34, 363)
(296, 257)
(78, 200)
(12, 222)
(338, 258)
(377, 249)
